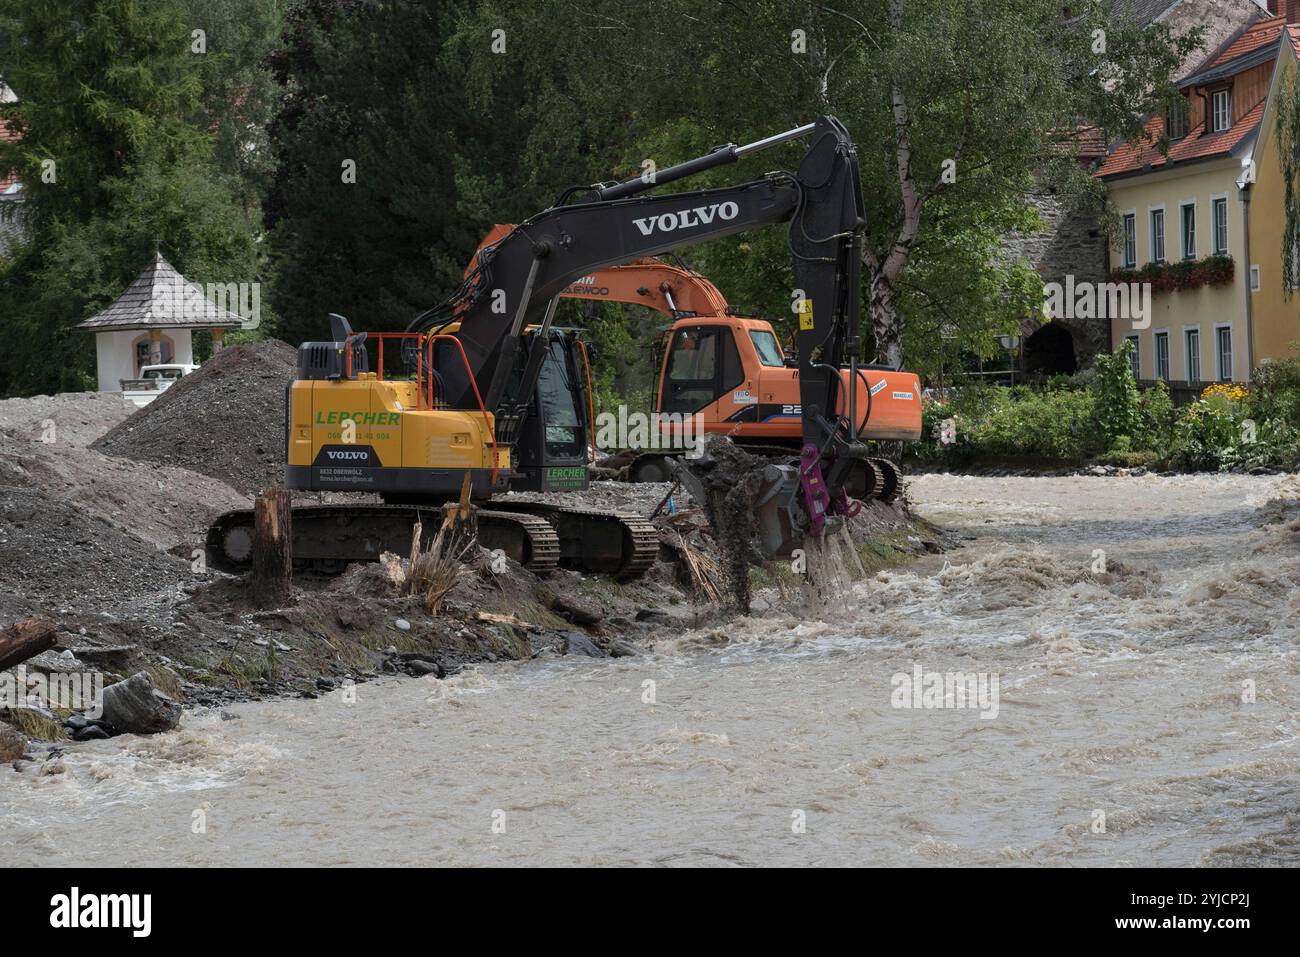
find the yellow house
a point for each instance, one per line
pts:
(1204, 223)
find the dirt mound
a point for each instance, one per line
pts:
(163, 505)
(55, 555)
(226, 420)
(70, 417)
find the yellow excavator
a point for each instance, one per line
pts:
(491, 390)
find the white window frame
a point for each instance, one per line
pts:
(1218, 354)
(1224, 116)
(1187, 355)
(1164, 233)
(1135, 360)
(1215, 199)
(1182, 231)
(1254, 277)
(1127, 216)
(1155, 354)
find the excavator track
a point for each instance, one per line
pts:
(890, 479)
(622, 544)
(327, 538)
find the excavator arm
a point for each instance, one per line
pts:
(515, 284)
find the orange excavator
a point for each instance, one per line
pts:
(731, 370)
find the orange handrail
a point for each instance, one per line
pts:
(487, 423)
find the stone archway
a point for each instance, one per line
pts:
(1049, 350)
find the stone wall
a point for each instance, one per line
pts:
(1071, 243)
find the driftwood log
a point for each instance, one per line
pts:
(24, 640)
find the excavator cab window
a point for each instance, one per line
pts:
(769, 350)
(559, 393)
(702, 365)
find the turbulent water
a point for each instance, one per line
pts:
(1143, 633)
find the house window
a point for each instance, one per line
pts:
(1187, 213)
(1157, 235)
(1223, 339)
(1221, 105)
(1130, 240)
(1221, 226)
(1135, 356)
(1176, 119)
(1192, 338)
(1162, 355)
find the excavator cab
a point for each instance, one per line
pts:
(554, 446)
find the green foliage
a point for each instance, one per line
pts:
(1287, 135)
(1225, 430)
(1275, 392)
(1119, 412)
(1237, 429)
(109, 92)
(451, 136)
(1214, 270)
(1016, 424)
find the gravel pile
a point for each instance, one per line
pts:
(77, 418)
(56, 556)
(164, 505)
(226, 420)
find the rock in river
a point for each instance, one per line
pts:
(135, 706)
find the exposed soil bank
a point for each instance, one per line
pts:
(110, 546)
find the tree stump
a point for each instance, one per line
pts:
(271, 579)
(24, 640)
(460, 524)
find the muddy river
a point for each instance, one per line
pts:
(1131, 649)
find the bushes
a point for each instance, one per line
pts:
(1275, 392)
(1057, 425)
(1119, 412)
(1235, 428)
(1112, 422)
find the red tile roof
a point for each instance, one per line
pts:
(1264, 32)
(1293, 32)
(1197, 144)
(1088, 141)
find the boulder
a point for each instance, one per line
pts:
(135, 706)
(119, 659)
(579, 644)
(618, 648)
(420, 666)
(577, 608)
